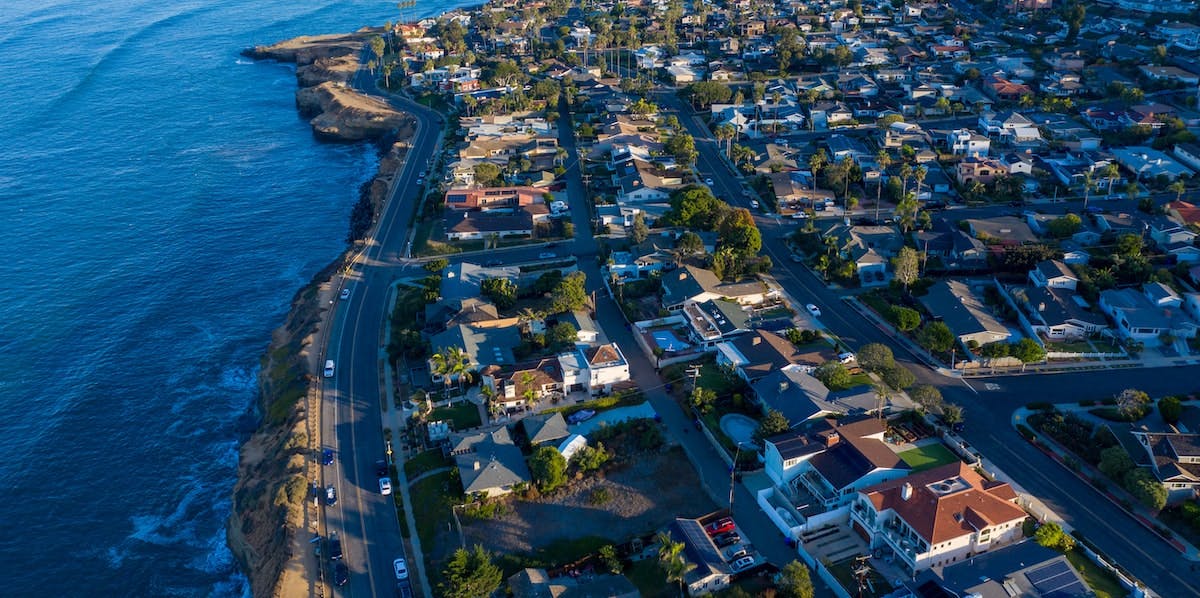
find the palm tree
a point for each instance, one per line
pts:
(1112, 173)
(817, 162)
(885, 160)
(1178, 187)
(670, 558)
(451, 362)
(725, 132)
(1089, 180)
(882, 395)
(387, 74)
(919, 175)
(905, 172)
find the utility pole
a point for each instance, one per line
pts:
(694, 372)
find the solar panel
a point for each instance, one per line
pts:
(1056, 579)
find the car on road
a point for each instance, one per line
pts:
(547, 255)
(385, 486)
(330, 495)
(708, 181)
(335, 547)
(813, 309)
(727, 539)
(742, 564)
(341, 574)
(327, 457)
(799, 259)
(800, 215)
(581, 416)
(1095, 210)
(754, 203)
(720, 526)
(345, 294)
(492, 263)
(420, 180)
(328, 368)
(401, 569)
(381, 468)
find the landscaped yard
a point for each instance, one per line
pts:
(711, 377)
(1101, 581)
(423, 462)
(650, 580)
(928, 457)
(1070, 347)
(463, 415)
(876, 585)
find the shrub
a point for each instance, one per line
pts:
(1051, 535)
(875, 357)
(1170, 408)
(898, 377)
(600, 496)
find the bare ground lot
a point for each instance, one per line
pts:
(646, 493)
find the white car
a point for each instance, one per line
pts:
(708, 182)
(385, 486)
(401, 569)
(754, 203)
(581, 416)
(328, 368)
(846, 357)
(742, 564)
(813, 309)
(345, 294)
(547, 255)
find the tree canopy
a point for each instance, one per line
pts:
(569, 294)
(936, 336)
(875, 357)
(771, 424)
(548, 468)
(470, 574)
(794, 581)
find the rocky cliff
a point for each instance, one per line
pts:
(325, 64)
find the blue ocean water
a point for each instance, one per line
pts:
(160, 203)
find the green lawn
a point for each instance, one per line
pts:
(423, 462)
(431, 499)
(1071, 347)
(1100, 580)
(650, 580)
(928, 457)
(463, 415)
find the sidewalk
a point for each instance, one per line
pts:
(1113, 492)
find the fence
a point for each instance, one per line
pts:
(834, 585)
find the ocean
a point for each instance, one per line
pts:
(160, 203)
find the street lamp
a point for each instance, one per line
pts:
(733, 473)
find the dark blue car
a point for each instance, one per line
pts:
(327, 457)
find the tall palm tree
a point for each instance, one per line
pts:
(1089, 180)
(885, 160)
(816, 163)
(905, 172)
(670, 558)
(1112, 174)
(919, 176)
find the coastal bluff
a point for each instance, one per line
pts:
(325, 65)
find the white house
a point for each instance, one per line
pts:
(965, 142)
(595, 369)
(1147, 315)
(1175, 461)
(937, 517)
(1053, 274)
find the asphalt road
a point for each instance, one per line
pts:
(988, 412)
(350, 420)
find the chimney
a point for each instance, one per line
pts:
(1042, 306)
(756, 340)
(683, 275)
(476, 466)
(832, 438)
(906, 491)
(783, 386)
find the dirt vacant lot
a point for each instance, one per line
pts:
(646, 494)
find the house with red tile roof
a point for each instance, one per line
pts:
(937, 517)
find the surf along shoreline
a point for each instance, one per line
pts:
(273, 515)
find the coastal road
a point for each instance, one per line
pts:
(351, 421)
(988, 411)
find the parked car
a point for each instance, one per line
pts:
(381, 468)
(846, 357)
(738, 554)
(330, 495)
(727, 539)
(385, 486)
(581, 416)
(742, 564)
(547, 255)
(720, 526)
(401, 569)
(345, 294)
(327, 457)
(813, 309)
(335, 547)
(708, 181)
(341, 574)
(754, 203)
(328, 368)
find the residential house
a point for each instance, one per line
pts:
(466, 226)
(1169, 74)
(1002, 89)
(1180, 34)
(937, 517)
(1103, 119)
(525, 384)
(1010, 127)
(462, 280)
(965, 142)
(709, 572)
(1173, 238)
(488, 462)
(794, 192)
(493, 198)
(826, 114)
(1149, 315)
(544, 429)
(1188, 154)
(801, 397)
(1053, 274)
(1175, 461)
(1024, 569)
(761, 352)
(968, 317)
(1002, 230)
(483, 345)
(537, 583)
(1147, 163)
(977, 169)
(596, 369)
(642, 181)
(1149, 115)
(715, 320)
(832, 460)
(691, 284)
